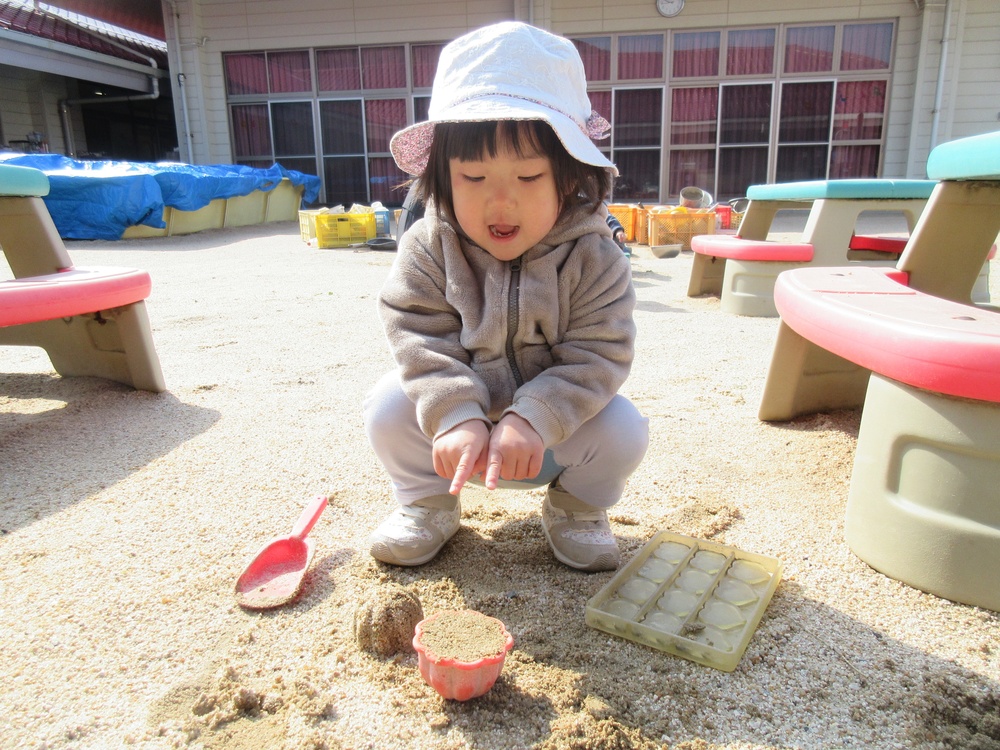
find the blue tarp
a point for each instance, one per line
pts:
(91, 200)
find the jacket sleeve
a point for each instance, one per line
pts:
(423, 331)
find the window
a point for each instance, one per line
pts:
(338, 69)
(744, 137)
(596, 55)
(696, 54)
(640, 57)
(294, 144)
(251, 134)
(804, 131)
(750, 52)
(245, 74)
(636, 139)
(718, 108)
(866, 47)
(289, 72)
(809, 49)
(350, 146)
(425, 59)
(383, 67)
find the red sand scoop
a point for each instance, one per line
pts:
(274, 576)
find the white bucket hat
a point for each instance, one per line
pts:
(508, 71)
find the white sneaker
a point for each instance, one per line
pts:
(579, 534)
(414, 534)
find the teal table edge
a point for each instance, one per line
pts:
(18, 181)
(873, 189)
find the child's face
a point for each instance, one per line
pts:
(505, 204)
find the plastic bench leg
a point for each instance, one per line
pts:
(748, 286)
(804, 379)
(923, 506)
(117, 347)
(707, 272)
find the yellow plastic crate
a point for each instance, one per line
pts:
(642, 225)
(626, 216)
(670, 228)
(343, 230)
(307, 223)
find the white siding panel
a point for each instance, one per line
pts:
(973, 104)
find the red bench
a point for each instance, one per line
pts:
(73, 291)
(922, 506)
(90, 321)
(870, 317)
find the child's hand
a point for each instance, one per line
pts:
(515, 451)
(460, 453)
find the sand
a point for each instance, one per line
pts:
(127, 517)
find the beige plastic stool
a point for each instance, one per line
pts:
(924, 506)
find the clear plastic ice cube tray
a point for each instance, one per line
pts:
(692, 598)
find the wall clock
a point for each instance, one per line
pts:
(669, 8)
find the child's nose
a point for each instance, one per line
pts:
(503, 196)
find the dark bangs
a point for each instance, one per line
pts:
(474, 141)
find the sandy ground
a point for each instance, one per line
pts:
(126, 518)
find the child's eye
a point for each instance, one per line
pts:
(472, 178)
(530, 178)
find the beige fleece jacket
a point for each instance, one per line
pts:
(548, 336)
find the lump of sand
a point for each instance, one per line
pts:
(385, 620)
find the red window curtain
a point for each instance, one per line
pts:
(809, 49)
(860, 110)
(245, 74)
(694, 115)
(696, 54)
(640, 57)
(338, 69)
(251, 130)
(289, 72)
(866, 46)
(383, 117)
(596, 55)
(425, 60)
(750, 52)
(383, 67)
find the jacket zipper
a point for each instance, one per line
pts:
(513, 314)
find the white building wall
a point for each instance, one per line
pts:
(31, 105)
(971, 103)
(970, 87)
(976, 73)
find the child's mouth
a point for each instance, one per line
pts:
(502, 231)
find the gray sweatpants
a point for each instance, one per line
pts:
(592, 464)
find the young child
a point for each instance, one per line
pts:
(508, 309)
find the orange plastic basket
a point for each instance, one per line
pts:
(677, 227)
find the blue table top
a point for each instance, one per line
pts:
(973, 158)
(873, 189)
(23, 181)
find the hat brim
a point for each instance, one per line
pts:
(411, 146)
